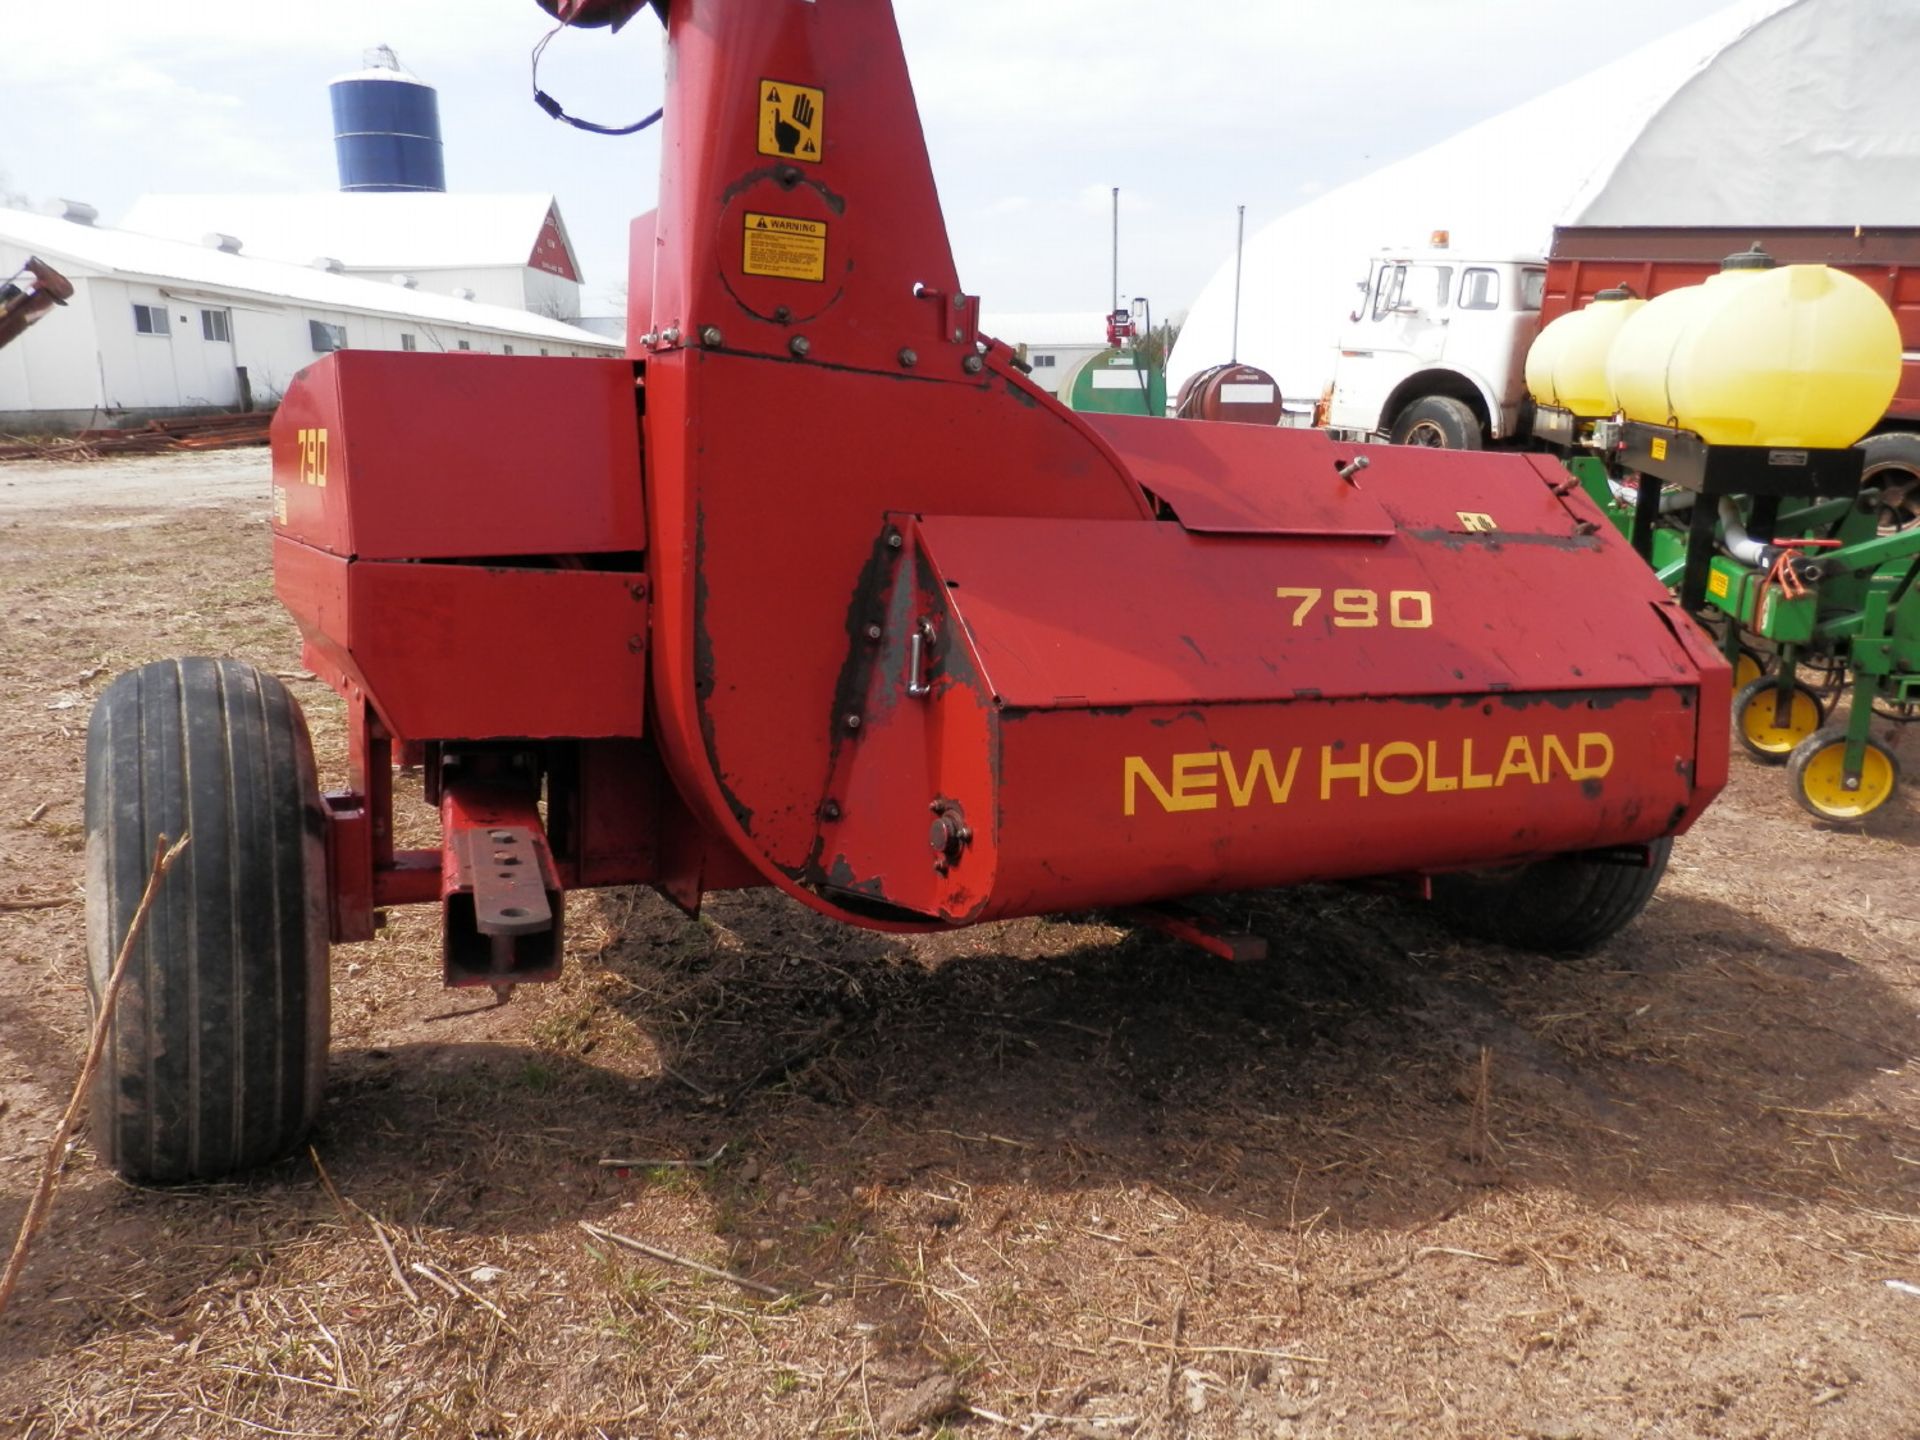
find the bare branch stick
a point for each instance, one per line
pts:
(451, 1284)
(37, 1207)
(340, 1203)
(654, 1252)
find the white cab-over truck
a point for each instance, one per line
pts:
(1434, 352)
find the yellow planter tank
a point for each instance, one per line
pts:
(1643, 348)
(1567, 363)
(1801, 356)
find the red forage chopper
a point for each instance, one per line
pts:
(815, 590)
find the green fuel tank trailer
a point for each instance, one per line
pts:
(1115, 382)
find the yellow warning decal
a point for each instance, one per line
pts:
(785, 247)
(1717, 583)
(792, 123)
(1659, 449)
(1473, 520)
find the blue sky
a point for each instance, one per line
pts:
(1033, 110)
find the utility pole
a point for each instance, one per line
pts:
(1239, 247)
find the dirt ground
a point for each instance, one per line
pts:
(1056, 1177)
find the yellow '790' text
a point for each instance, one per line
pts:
(313, 455)
(1361, 609)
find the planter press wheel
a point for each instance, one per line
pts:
(1562, 907)
(218, 1046)
(1748, 666)
(1763, 731)
(1818, 774)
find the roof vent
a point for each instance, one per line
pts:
(78, 211)
(405, 282)
(463, 293)
(214, 240)
(327, 263)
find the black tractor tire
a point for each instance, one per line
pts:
(1561, 907)
(1892, 466)
(217, 1051)
(1439, 421)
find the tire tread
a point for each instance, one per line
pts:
(1567, 906)
(211, 1066)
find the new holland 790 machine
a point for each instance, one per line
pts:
(814, 590)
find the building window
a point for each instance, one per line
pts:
(543, 350)
(407, 342)
(1043, 362)
(327, 337)
(216, 325)
(506, 349)
(150, 320)
(466, 344)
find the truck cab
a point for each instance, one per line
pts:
(1434, 352)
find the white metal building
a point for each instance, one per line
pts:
(1055, 342)
(1768, 113)
(161, 327)
(497, 249)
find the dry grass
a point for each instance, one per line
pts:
(1051, 1178)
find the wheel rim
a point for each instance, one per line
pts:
(1746, 670)
(1425, 432)
(1823, 781)
(1899, 505)
(1758, 724)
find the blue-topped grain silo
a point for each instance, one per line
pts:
(386, 128)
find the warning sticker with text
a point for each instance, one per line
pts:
(785, 247)
(792, 122)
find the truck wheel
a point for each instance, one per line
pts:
(1557, 907)
(218, 1045)
(1440, 421)
(1892, 467)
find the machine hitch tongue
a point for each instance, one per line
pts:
(498, 888)
(508, 896)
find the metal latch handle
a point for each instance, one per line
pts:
(919, 648)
